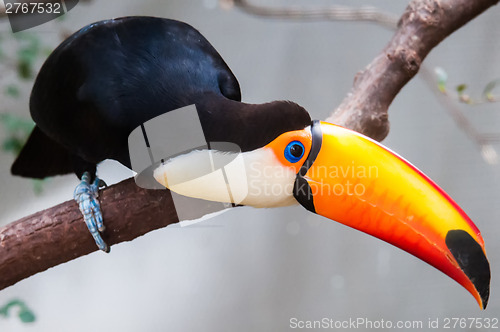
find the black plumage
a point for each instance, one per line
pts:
(111, 76)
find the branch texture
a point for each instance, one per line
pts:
(424, 24)
(57, 235)
(332, 13)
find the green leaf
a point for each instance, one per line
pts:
(38, 186)
(18, 130)
(15, 123)
(461, 95)
(26, 316)
(12, 144)
(4, 311)
(24, 69)
(442, 78)
(12, 91)
(27, 54)
(487, 93)
(461, 88)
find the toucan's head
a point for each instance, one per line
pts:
(347, 177)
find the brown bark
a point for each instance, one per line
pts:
(57, 235)
(423, 25)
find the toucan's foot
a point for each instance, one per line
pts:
(86, 196)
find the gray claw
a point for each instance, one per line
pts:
(86, 195)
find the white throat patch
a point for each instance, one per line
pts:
(255, 178)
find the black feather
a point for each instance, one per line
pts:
(51, 157)
(111, 76)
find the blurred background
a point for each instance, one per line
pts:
(256, 269)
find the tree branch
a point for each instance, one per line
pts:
(424, 24)
(57, 235)
(332, 13)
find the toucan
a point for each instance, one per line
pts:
(112, 76)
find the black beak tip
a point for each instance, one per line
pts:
(472, 260)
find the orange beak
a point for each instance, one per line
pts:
(354, 180)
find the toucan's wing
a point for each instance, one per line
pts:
(42, 157)
(112, 76)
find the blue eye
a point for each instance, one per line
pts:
(294, 151)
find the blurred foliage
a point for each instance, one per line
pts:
(24, 313)
(442, 78)
(484, 141)
(12, 90)
(17, 130)
(25, 51)
(487, 95)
